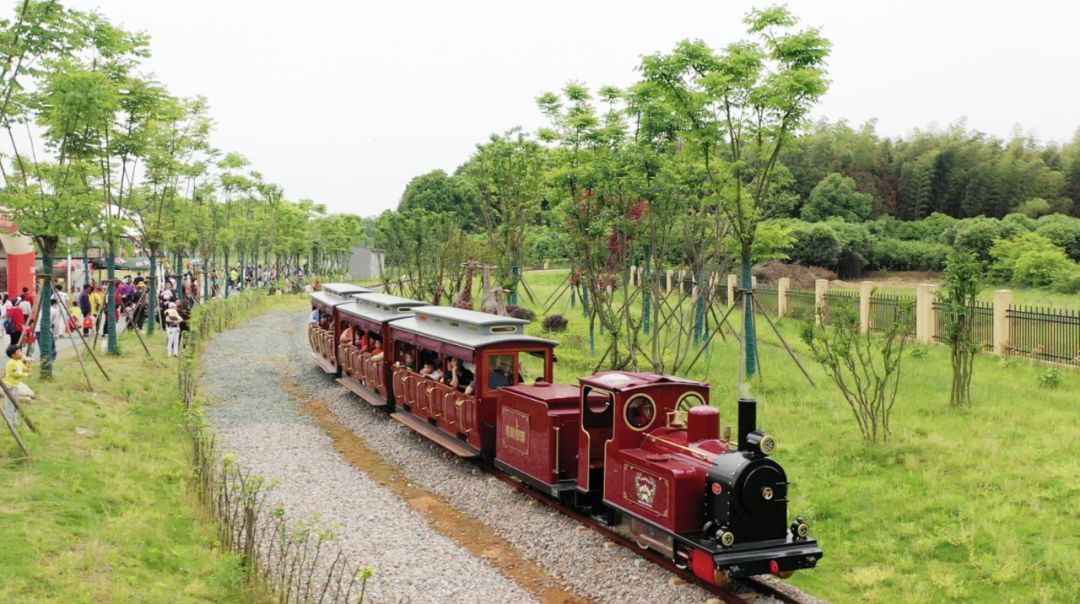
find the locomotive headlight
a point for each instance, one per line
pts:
(761, 442)
(767, 444)
(799, 529)
(727, 538)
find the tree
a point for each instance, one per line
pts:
(437, 192)
(740, 107)
(507, 173)
(957, 308)
(51, 201)
(836, 196)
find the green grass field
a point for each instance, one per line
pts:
(978, 505)
(106, 515)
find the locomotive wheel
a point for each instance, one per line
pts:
(786, 574)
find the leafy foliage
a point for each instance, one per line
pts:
(836, 196)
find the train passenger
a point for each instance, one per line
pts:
(427, 369)
(364, 342)
(315, 316)
(500, 376)
(456, 376)
(377, 350)
(436, 372)
(346, 335)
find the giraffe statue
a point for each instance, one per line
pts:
(494, 302)
(463, 299)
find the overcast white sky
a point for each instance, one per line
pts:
(344, 102)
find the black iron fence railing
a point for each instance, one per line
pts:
(1044, 333)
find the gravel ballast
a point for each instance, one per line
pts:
(254, 418)
(262, 424)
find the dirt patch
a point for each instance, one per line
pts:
(891, 280)
(463, 529)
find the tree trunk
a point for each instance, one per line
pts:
(228, 273)
(86, 266)
(151, 294)
(110, 306)
(750, 337)
(46, 342)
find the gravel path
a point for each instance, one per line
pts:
(255, 419)
(262, 424)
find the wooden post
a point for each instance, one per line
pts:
(669, 273)
(782, 287)
(821, 287)
(1003, 299)
(731, 281)
(866, 290)
(924, 313)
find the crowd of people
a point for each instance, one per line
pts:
(83, 310)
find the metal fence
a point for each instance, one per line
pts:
(800, 303)
(767, 297)
(835, 298)
(1044, 333)
(886, 310)
(982, 318)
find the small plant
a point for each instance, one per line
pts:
(1051, 378)
(519, 312)
(555, 323)
(919, 352)
(865, 367)
(1007, 362)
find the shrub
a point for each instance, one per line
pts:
(1068, 280)
(893, 254)
(977, 235)
(556, 323)
(854, 247)
(1051, 378)
(1041, 267)
(919, 352)
(1007, 251)
(1064, 231)
(836, 196)
(1014, 224)
(520, 312)
(1034, 207)
(816, 245)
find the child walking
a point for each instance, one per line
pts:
(172, 328)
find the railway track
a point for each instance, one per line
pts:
(744, 591)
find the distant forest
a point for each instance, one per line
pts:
(958, 172)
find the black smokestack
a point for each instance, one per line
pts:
(747, 421)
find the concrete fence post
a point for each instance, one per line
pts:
(731, 290)
(821, 287)
(633, 275)
(669, 273)
(866, 290)
(782, 287)
(924, 313)
(1003, 299)
(753, 283)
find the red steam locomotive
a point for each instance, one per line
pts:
(641, 449)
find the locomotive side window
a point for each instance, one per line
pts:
(500, 371)
(640, 412)
(530, 367)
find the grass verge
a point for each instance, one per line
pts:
(971, 505)
(102, 512)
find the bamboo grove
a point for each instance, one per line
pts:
(99, 154)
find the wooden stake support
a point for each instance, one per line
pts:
(15, 403)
